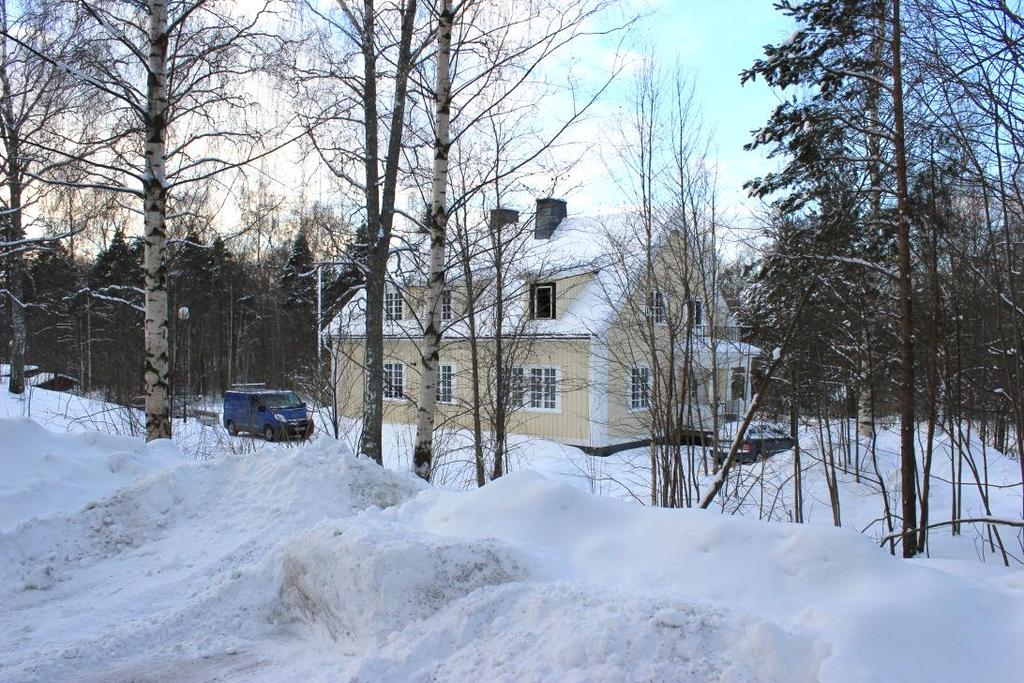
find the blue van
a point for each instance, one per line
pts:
(274, 413)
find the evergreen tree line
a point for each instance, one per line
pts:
(898, 208)
(249, 319)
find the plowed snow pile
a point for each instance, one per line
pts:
(42, 472)
(311, 565)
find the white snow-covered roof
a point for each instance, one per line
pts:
(599, 247)
(5, 369)
(44, 377)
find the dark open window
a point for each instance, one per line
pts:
(542, 301)
(695, 309)
(738, 383)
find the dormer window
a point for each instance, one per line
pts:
(542, 301)
(657, 307)
(393, 304)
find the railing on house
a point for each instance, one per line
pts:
(732, 409)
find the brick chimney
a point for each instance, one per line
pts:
(550, 212)
(503, 217)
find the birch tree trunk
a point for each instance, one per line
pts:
(423, 453)
(158, 423)
(502, 374)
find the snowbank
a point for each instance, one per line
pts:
(45, 473)
(176, 568)
(310, 564)
(766, 601)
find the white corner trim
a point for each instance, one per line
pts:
(598, 389)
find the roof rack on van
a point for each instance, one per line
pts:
(251, 386)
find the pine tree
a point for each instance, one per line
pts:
(846, 59)
(297, 279)
(341, 284)
(54, 279)
(114, 300)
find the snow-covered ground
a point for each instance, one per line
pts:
(765, 489)
(269, 563)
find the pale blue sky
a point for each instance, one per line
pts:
(722, 38)
(714, 41)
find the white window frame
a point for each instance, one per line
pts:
(657, 306)
(447, 305)
(388, 387)
(642, 401)
(534, 289)
(393, 295)
(695, 311)
(453, 398)
(531, 392)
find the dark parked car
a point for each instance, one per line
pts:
(761, 439)
(178, 403)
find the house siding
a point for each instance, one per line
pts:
(629, 344)
(594, 366)
(570, 423)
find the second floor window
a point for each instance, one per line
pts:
(657, 307)
(447, 305)
(695, 311)
(394, 381)
(640, 387)
(393, 304)
(542, 301)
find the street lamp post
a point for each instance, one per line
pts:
(183, 314)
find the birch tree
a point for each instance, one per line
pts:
(356, 78)
(426, 410)
(175, 76)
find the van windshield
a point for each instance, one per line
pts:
(284, 399)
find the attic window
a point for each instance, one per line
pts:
(542, 301)
(657, 307)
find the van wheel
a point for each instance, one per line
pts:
(232, 429)
(268, 433)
